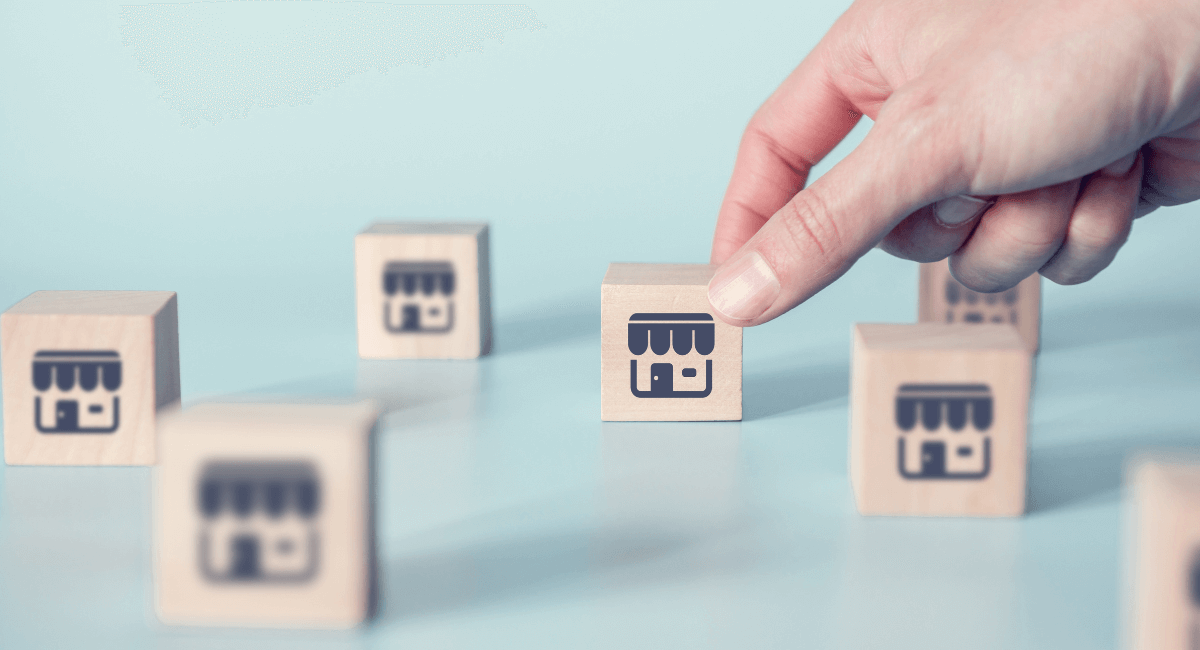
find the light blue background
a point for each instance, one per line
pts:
(509, 515)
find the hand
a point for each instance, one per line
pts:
(1074, 117)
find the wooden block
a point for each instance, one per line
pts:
(945, 300)
(1165, 555)
(85, 373)
(937, 419)
(424, 291)
(663, 356)
(264, 515)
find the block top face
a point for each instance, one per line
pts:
(621, 273)
(100, 303)
(425, 228)
(939, 336)
(1181, 475)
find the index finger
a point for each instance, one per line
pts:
(798, 125)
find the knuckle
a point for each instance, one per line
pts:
(1092, 235)
(810, 226)
(986, 284)
(1068, 277)
(1031, 232)
(978, 278)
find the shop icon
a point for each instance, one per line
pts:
(79, 387)
(258, 521)
(418, 297)
(1193, 583)
(967, 306)
(664, 333)
(943, 431)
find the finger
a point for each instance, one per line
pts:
(911, 158)
(1100, 223)
(1016, 237)
(793, 130)
(935, 231)
(1171, 171)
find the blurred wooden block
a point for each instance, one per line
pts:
(264, 515)
(944, 300)
(938, 415)
(663, 355)
(424, 291)
(85, 373)
(1165, 555)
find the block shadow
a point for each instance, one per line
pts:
(777, 392)
(548, 325)
(570, 563)
(1062, 476)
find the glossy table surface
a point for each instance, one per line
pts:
(509, 515)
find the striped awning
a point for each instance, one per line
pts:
(245, 487)
(63, 368)
(662, 332)
(955, 404)
(424, 277)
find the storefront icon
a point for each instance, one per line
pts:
(951, 441)
(665, 332)
(1193, 583)
(967, 306)
(80, 388)
(258, 521)
(418, 297)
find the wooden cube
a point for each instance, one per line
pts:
(945, 300)
(264, 515)
(663, 355)
(1165, 555)
(85, 373)
(938, 415)
(423, 291)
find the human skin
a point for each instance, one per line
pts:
(1075, 117)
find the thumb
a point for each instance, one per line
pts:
(819, 234)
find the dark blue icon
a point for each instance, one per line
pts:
(955, 418)
(966, 306)
(1194, 600)
(259, 521)
(662, 333)
(1194, 581)
(419, 294)
(67, 378)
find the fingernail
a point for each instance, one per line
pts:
(745, 288)
(1121, 166)
(959, 209)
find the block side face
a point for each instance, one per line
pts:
(467, 228)
(79, 389)
(927, 298)
(113, 303)
(623, 273)
(940, 433)
(166, 355)
(483, 255)
(1166, 556)
(202, 575)
(945, 300)
(711, 389)
(1029, 309)
(859, 372)
(418, 296)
